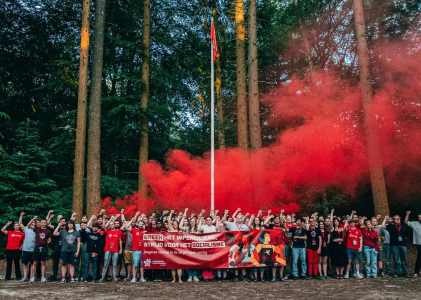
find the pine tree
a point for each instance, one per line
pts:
(24, 184)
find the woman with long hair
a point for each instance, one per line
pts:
(338, 249)
(174, 226)
(324, 255)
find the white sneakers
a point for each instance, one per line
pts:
(133, 279)
(32, 280)
(359, 276)
(142, 280)
(195, 279)
(190, 279)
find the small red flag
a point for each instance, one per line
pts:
(213, 38)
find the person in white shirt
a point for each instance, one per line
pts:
(416, 226)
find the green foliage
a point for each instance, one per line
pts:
(24, 183)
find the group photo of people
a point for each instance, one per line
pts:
(105, 248)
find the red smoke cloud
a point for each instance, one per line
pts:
(324, 146)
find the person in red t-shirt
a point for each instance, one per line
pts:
(13, 249)
(113, 247)
(353, 247)
(137, 233)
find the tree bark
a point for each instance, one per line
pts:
(218, 84)
(79, 167)
(144, 138)
(93, 191)
(305, 37)
(254, 110)
(240, 32)
(378, 185)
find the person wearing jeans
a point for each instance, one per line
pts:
(113, 247)
(299, 236)
(370, 248)
(416, 227)
(94, 241)
(398, 233)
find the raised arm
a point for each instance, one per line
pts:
(281, 215)
(245, 216)
(346, 224)
(251, 222)
(384, 222)
(122, 215)
(266, 223)
(331, 219)
(56, 233)
(20, 221)
(49, 222)
(5, 226)
(170, 221)
(89, 225)
(32, 220)
(407, 217)
(48, 215)
(235, 213)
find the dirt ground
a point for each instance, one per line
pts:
(382, 288)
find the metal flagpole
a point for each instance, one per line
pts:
(212, 134)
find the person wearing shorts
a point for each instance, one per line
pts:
(354, 247)
(28, 246)
(70, 248)
(42, 239)
(136, 233)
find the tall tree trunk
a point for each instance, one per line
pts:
(218, 84)
(378, 185)
(93, 191)
(254, 110)
(79, 168)
(144, 138)
(240, 32)
(305, 37)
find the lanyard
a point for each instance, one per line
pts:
(313, 233)
(399, 229)
(239, 227)
(339, 233)
(323, 234)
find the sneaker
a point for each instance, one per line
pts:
(43, 279)
(24, 279)
(63, 281)
(32, 280)
(295, 278)
(114, 280)
(282, 279)
(286, 277)
(190, 279)
(133, 279)
(321, 277)
(273, 279)
(359, 276)
(72, 280)
(83, 280)
(51, 279)
(220, 279)
(407, 276)
(159, 280)
(304, 277)
(102, 280)
(235, 279)
(346, 276)
(195, 279)
(262, 280)
(309, 277)
(142, 280)
(382, 274)
(354, 275)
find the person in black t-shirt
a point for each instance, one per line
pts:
(94, 241)
(398, 233)
(314, 244)
(299, 236)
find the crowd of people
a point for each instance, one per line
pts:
(316, 247)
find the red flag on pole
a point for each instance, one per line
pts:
(213, 38)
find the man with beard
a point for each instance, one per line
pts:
(136, 247)
(93, 246)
